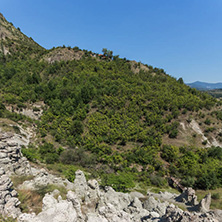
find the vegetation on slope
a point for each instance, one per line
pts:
(107, 116)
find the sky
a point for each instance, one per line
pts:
(184, 37)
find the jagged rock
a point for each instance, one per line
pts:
(11, 159)
(80, 185)
(117, 199)
(204, 205)
(93, 184)
(27, 217)
(53, 210)
(153, 205)
(72, 197)
(43, 178)
(8, 202)
(188, 196)
(174, 214)
(113, 214)
(92, 217)
(90, 203)
(134, 207)
(136, 194)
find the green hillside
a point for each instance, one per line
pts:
(107, 114)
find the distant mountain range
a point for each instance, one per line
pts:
(205, 86)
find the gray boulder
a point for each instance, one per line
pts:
(174, 214)
(80, 185)
(188, 196)
(204, 205)
(53, 210)
(153, 205)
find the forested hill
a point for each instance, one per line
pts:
(107, 113)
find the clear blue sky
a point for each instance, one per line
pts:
(184, 37)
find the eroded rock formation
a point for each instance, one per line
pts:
(90, 203)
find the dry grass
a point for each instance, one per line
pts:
(17, 180)
(31, 200)
(216, 203)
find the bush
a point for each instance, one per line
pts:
(207, 121)
(215, 196)
(188, 181)
(77, 156)
(121, 182)
(51, 158)
(46, 148)
(30, 153)
(158, 181)
(204, 142)
(207, 181)
(173, 134)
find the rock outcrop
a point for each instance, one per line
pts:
(42, 178)
(11, 159)
(52, 210)
(204, 205)
(188, 196)
(8, 197)
(86, 201)
(174, 214)
(90, 203)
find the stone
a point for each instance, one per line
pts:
(80, 185)
(8, 201)
(43, 178)
(93, 184)
(136, 194)
(53, 210)
(175, 214)
(11, 159)
(188, 196)
(72, 197)
(117, 199)
(154, 214)
(204, 205)
(95, 218)
(153, 205)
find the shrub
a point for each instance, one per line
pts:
(215, 196)
(188, 181)
(173, 134)
(51, 158)
(77, 156)
(30, 153)
(204, 142)
(120, 182)
(36, 109)
(207, 181)
(207, 121)
(158, 181)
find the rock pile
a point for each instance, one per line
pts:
(11, 159)
(8, 201)
(188, 196)
(90, 203)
